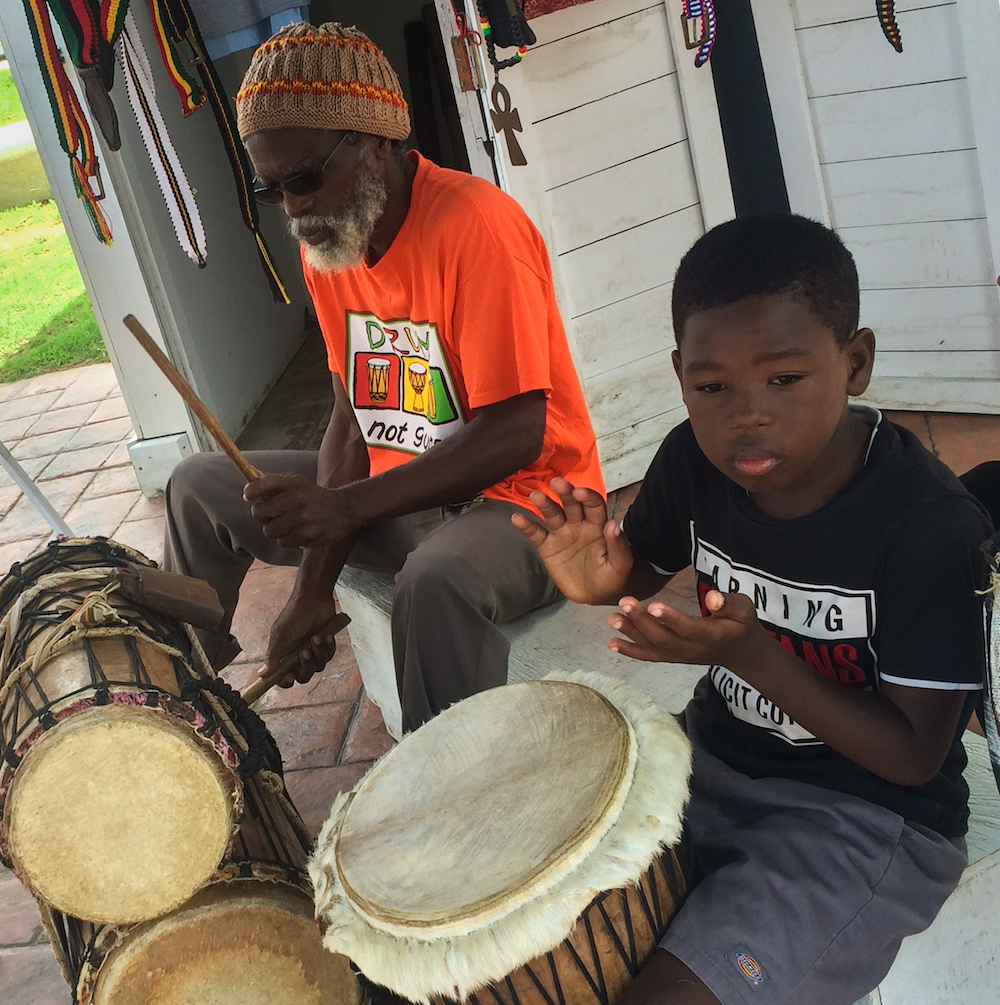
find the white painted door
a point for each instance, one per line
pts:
(898, 152)
(626, 169)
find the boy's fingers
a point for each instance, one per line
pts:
(684, 625)
(619, 552)
(552, 513)
(627, 625)
(595, 509)
(566, 492)
(636, 652)
(534, 532)
(734, 606)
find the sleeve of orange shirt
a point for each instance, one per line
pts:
(505, 313)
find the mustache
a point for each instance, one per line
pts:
(311, 223)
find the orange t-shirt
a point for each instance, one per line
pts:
(459, 313)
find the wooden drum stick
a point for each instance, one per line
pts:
(249, 472)
(339, 621)
(263, 684)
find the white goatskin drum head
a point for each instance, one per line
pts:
(119, 815)
(478, 809)
(240, 943)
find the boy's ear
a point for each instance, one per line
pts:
(861, 358)
(675, 358)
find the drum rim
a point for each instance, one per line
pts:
(421, 969)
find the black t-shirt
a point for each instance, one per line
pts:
(879, 584)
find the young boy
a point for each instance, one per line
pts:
(837, 564)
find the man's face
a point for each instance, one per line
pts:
(766, 384)
(334, 223)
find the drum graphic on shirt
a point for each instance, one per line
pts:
(416, 377)
(425, 391)
(378, 379)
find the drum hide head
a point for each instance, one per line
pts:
(239, 943)
(119, 814)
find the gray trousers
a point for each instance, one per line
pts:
(457, 577)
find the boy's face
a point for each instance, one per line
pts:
(766, 384)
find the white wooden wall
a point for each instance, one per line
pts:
(626, 169)
(894, 150)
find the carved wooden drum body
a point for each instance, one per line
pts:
(524, 846)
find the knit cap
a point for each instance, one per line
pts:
(326, 77)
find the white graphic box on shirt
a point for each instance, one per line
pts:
(400, 385)
(828, 627)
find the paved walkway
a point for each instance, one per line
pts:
(69, 430)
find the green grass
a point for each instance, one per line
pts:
(46, 322)
(10, 103)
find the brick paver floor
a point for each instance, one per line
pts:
(69, 431)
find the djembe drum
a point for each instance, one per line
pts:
(464, 866)
(121, 775)
(248, 938)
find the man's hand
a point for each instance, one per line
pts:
(301, 618)
(584, 553)
(661, 634)
(297, 512)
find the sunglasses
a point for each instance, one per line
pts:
(299, 184)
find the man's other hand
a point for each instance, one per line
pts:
(301, 618)
(586, 555)
(296, 512)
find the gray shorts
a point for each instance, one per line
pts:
(807, 893)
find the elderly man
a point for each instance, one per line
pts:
(455, 392)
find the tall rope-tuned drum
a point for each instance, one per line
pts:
(523, 847)
(138, 792)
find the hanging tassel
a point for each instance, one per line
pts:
(702, 11)
(177, 24)
(72, 127)
(887, 18)
(176, 190)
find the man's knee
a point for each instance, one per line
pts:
(199, 474)
(432, 575)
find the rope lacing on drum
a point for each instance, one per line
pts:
(94, 618)
(53, 581)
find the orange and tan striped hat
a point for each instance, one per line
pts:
(330, 77)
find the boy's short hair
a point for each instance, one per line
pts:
(764, 255)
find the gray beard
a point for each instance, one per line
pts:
(352, 227)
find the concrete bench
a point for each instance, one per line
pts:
(955, 962)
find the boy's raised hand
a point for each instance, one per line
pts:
(586, 555)
(661, 634)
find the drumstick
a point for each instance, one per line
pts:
(245, 468)
(288, 662)
(339, 621)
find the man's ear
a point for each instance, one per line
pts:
(675, 358)
(860, 353)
